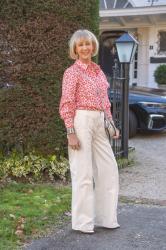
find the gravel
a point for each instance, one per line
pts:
(143, 226)
(147, 178)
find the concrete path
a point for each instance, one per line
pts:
(143, 226)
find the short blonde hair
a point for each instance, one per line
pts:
(85, 34)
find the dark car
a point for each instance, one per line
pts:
(147, 110)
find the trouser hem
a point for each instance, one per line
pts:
(107, 226)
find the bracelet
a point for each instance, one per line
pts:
(70, 131)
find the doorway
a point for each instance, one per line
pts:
(107, 51)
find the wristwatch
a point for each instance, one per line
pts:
(70, 131)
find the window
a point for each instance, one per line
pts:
(162, 41)
(135, 65)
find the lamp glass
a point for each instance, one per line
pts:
(134, 50)
(124, 51)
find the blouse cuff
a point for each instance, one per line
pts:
(69, 122)
(108, 112)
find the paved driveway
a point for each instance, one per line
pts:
(143, 226)
(147, 179)
(138, 230)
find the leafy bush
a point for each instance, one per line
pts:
(33, 55)
(33, 167)
(160, 74)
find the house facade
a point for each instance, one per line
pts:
(146, 20)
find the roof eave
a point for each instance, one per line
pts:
(138, 11)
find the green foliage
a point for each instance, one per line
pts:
(34, 167)
(126, 162)
(29, 210)
(160, 74)
(34, 54)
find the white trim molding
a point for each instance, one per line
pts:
(138, 11)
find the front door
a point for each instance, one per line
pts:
(107, 51)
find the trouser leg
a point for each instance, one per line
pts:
(106, 180)
(82, 177)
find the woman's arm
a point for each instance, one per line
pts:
(67, 106)
(67, 102)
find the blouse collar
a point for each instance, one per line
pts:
(91, 65)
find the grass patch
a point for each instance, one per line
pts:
(123, 162)
(30, 209)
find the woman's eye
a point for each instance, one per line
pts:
(82, 44)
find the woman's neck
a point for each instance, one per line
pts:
(85, 61)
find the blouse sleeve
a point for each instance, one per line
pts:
(67, 103)
(107, 102)
(108, 109)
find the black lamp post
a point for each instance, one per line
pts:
(126, 46)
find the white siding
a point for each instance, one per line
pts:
(143, 56)
(153, 41)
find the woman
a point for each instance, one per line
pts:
(93, 166)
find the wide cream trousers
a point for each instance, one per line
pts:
(94, 174)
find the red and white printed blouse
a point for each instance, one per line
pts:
(84, 87)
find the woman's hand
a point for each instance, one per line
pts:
(117, 134)
(73, 141)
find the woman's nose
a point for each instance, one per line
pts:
(84, 47)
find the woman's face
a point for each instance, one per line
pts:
(84, 49)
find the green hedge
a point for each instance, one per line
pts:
(33, 55)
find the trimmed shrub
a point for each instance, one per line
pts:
(160, 74)
(33, 55)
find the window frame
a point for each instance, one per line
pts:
(161, 51)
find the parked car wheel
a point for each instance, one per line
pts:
(133, 124)
(147, 109)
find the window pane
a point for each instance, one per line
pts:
(162, 41)
(135, 74)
